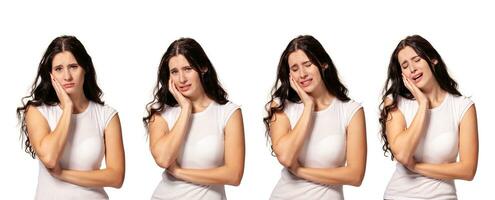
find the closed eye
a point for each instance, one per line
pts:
(307, 64)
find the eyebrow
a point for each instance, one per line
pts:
(182, 67)
(306, 62)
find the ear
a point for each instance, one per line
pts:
(203, 70)
(324, 66)
(434, 61)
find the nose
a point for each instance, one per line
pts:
(412, 68)
(67, 75)
(303, 73)
(182, 77)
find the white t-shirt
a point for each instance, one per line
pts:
(203, 149)
(440, 144)
(325, 147)
(84, 150)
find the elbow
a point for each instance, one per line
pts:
(118, 180)
(403, 159)
(235, 180)
(356, 181)
(49, 161)
(357, 178)
(163, 161)
(285, 160)
(470, 175)
(117, 183)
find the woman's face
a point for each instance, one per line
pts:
(304, 72)
(68, 72)
(184, 77)
(415, 67)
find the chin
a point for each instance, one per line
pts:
(187, 93)
(309, 89)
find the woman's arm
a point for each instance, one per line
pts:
(165, 144)
(231, 172)
(48, 144)
(404, 141)
(113, 174)
(465, 168)
(353, 172)
(287, 142)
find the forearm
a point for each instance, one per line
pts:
(165, 150)
(215, 176)
(95, 178)
(332, 176)
(52, 145)
(406, 142)
(446, 171)
(290, 144)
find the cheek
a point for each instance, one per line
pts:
(58, 76)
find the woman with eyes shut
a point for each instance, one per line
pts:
(195, 133)
(426, 124)
(69, 129)
(317, 132)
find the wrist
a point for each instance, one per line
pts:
(309, 105)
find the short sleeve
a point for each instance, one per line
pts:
(108, 114)
(227, 110)
(463, 105)
(351, 107)
(170, 114)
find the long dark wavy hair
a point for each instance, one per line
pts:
(42, 91)
(394, 86)
(197, 58)
(282, 89)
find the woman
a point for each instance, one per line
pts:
(68, 127)
(317, 133)
(426, 123)
(195, 132)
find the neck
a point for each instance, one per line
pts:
(322, 98)
(79, 102)
(200, 102)
(435, 94)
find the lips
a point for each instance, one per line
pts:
(184, 88)
(417, 77)
(305, 83)
(69, 85)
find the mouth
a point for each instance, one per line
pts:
(305, 83)
(69, 85)
(417, 77)
(184, 88)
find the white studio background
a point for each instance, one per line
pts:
(244, 41)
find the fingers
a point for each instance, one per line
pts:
(56, 86)
(294, 85)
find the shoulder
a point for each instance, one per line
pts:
(351, 104)
(463, 100)
(103, 107)
(227, 109)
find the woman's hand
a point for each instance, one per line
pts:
(305, 98)
(172, 169)
(416, 92)
(181, 99)
(56, 171)
(412, 165)
(63, 97)
(294, 167)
